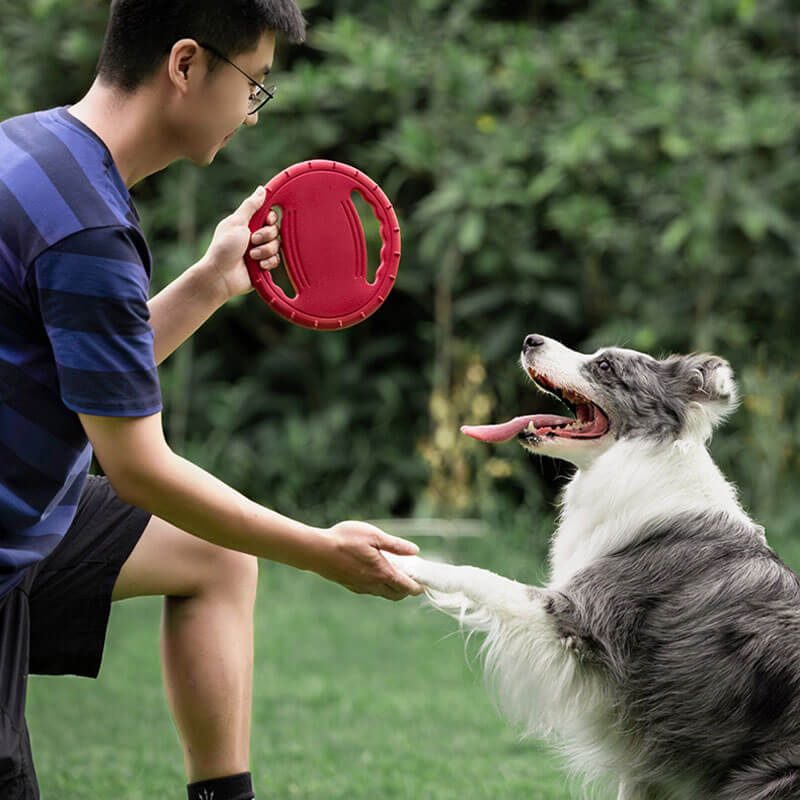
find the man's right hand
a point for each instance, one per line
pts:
(352, 558)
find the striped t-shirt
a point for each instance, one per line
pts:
(74, 323)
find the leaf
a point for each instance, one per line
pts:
(470, 235)
(675, 235)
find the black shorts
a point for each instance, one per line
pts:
(54, 621)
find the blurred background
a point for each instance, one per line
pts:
(602, 172)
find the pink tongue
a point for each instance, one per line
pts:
(507, 430)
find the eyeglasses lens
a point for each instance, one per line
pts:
(260, 97)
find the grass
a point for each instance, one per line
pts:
(354, 697)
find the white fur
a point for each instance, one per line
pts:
(606, 504)
(535, 676)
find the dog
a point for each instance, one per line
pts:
(663, 655)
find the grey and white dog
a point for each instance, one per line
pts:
(663, 655)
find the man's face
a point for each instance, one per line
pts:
(215, 112)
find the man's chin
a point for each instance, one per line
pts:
(203, 159)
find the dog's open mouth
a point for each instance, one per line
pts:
(589, 422)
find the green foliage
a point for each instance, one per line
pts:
(600, 172)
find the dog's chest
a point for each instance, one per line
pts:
(589, 529)
(611, 506)
(575, 547)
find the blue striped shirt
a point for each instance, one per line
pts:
(74, 323)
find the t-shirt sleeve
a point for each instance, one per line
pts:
(92, 291)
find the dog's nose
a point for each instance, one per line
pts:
(533, 340)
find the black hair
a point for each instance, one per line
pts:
(141, 33)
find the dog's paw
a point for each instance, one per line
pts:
(429, 573)
(405, 564)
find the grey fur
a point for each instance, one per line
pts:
(697, 631)
(645, 397)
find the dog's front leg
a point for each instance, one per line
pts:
(477, 586)
(533, 647)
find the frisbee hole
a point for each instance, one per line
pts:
(372, 233)
(279, 274)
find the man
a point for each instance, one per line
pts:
(79, 345)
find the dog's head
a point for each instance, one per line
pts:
(616, 394)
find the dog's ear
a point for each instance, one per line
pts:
(710, 391)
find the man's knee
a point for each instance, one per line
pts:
(168, 561)
(233, 574)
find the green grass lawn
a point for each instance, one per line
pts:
(354, 697)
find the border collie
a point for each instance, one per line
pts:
(663, 654)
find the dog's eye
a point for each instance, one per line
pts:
(604, 365)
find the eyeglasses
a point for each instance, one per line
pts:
(260, 96)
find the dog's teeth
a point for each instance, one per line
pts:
(531, 428)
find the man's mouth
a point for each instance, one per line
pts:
(589, 422)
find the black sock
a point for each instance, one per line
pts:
(231, 787)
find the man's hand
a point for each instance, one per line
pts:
(353, 559)
(224, 260)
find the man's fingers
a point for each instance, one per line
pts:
(410, 586)
(267, 234)
(265, 251)
(395, 592)
(390, 593)
(251, 204)
(394, 544)
(401, 581)
(270, 263)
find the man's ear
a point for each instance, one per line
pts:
(185, 56)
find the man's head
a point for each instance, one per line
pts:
(141, 33)
(170, 52)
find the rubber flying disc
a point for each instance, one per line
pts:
(323, 246)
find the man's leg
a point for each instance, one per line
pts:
(206, 643)
(17, 775)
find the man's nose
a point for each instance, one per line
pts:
(251, 119)
(532, 340)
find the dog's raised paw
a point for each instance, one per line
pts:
(405, 564)
(428, 573)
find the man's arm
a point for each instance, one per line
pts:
(179, 309)
(146, 473)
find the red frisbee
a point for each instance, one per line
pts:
(323, 246)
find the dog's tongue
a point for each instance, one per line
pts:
(507, 430)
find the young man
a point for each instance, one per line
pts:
(79, 345)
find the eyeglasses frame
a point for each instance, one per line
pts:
(268, 90)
